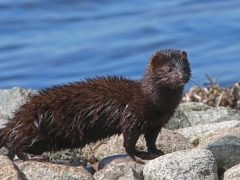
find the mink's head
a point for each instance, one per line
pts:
(169, 68)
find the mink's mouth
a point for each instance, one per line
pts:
(182, 82)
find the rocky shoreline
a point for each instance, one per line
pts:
(199, 142)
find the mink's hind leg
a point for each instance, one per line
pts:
(150, 137)
(29, 157)
(130, 140)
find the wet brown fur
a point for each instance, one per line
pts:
(76, 114)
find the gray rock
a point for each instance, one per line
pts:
(3, 115)
(199, 133)
(11, 99)
(232, 173)
(8, 170)
(7, 151)
(4, 118)
(121, 168)
(67, 157)
(197, 164)
(44, 170)
(114, 146)
(178, 120)
(225, 147)
(192, 114)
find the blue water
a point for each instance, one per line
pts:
(47, 42)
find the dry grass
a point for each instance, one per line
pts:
(213, 95)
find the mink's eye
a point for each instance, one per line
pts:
(169, 69)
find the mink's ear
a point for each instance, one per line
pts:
(184, 54)
(156, 60)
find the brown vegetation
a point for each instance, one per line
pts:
(213, 95)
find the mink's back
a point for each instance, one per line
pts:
(72, 115)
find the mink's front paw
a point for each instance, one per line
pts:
(156, 152)
(149, 155)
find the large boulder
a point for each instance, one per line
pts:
(192, 114)
(194, 164)
(232, 174)
(197, 134)
(11, 99)
(8, 170)
(44, 170)
(4, 118)
(120, 167)
(225, 148)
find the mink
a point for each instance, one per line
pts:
(75, 114)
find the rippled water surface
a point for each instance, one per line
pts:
(44, 42)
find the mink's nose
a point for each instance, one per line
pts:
(184, 77)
